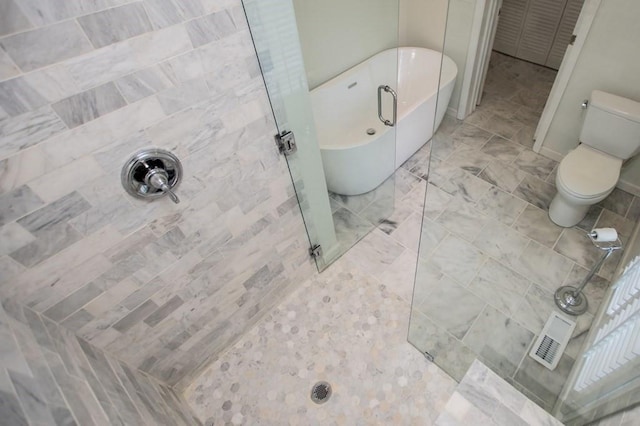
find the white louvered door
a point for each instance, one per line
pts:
(537, 30)
(564, 33)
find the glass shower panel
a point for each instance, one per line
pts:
(290, 43)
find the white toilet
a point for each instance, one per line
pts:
(610, 134)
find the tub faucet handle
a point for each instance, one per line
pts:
(157, 178)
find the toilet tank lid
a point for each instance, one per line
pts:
(614, 104)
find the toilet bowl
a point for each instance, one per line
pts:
(585, 177)
(610, 134)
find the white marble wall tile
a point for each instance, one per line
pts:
(116, 24)
(103, 65)
(17, 203)
(144, 83)
(187, 66)
(21, 168)
(53, 83)
(28, 129)
(13, 237)
(160, 45)
(43, 12)
(89, 105)
(184, 95)
(48, 243)
(101, 132)
(66, 179)
(7, 68)
(17, 97)
(164, 13)
(211, 27)
(45, 46)
(12, 19)
(48, 272)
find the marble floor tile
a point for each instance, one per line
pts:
(458, 259)
(501, 206)
(469, 159)
(499, 286)
(609, 219)
(432, 235)
(502, 149)
(349, 227)
(524, 136)
(408, 232)
(618, 201)
(536, 192)
(534, 164)
(399, 277)
(452, 307)
(471, 135)
(377, 377)
(577, 246)
(500, 242)
(436, 201)
(389, 223)
(375, 252)
(544, 383)
(535, 224)
(534, 309)
(498, 340)
(415, 199)
(590, 220)
(428, 278)
(465, 186)
(449, 353)
(542, 265)
(634, 209)
(595, 289)
(505, 127)
(442, 146)
(502, 175)
(462, 219)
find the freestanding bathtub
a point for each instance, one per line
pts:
(346, 112)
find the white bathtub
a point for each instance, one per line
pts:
(346, 106)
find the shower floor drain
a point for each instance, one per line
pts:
(321, 392)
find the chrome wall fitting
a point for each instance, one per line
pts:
(152, 173)
(571, 300)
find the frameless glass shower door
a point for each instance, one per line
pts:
(301, 46)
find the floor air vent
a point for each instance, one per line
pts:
(552, 340)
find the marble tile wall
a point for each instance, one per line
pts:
(83, 85)
(48, 376)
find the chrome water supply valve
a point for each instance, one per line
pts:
(152, 173)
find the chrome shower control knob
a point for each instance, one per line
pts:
(152, 173)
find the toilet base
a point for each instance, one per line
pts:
(565, 214)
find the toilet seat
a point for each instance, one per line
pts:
(587, 173)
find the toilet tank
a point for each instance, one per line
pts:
(612, 125)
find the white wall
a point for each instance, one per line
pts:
(337, 34)
(422, 23)
(609, 61)
(456, 44)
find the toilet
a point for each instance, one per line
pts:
(587, 175)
